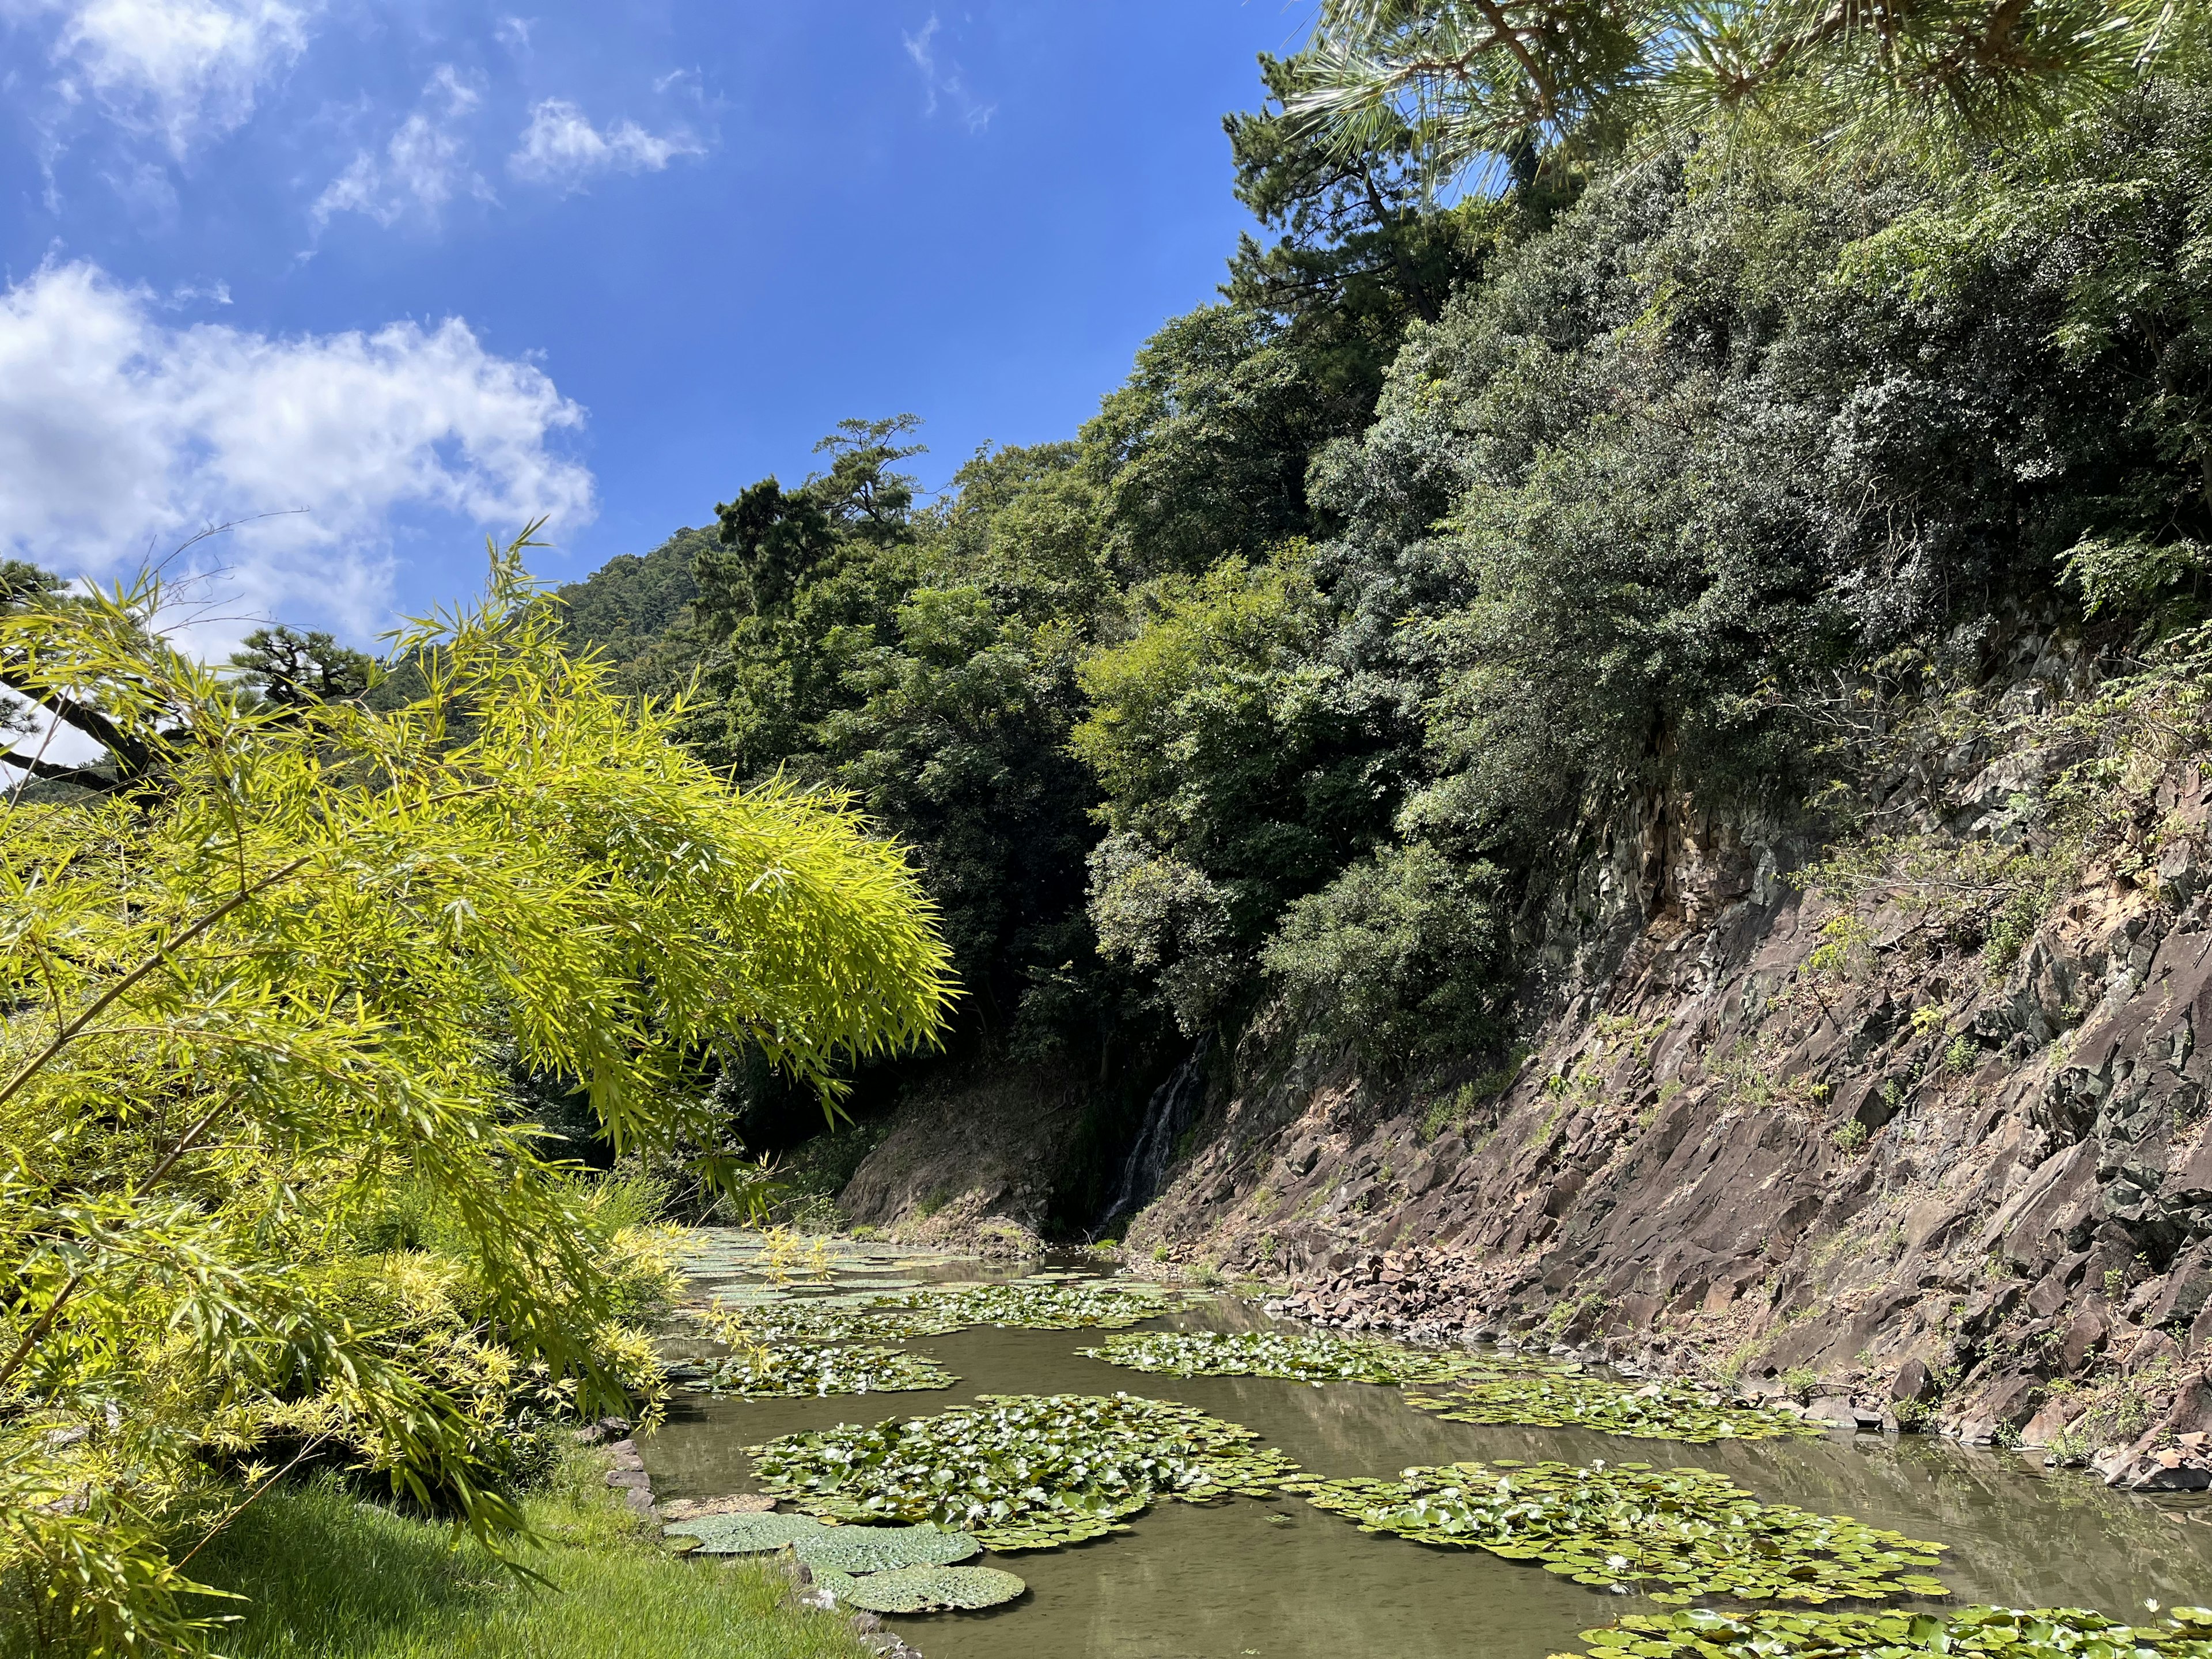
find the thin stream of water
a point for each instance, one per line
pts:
(1172, 1106)
(1276, 1579)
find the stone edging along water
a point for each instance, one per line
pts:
(626, 1472)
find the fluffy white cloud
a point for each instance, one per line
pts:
(120, 433)
(187, 69)
(561, 147)
(423, 167)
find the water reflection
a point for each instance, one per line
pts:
(1278, 1580)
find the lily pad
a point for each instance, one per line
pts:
(883, 1549)
(1021, 1471)
(1674, 1534)
(693, 1509)
(925, 1590)
(746, 1534)
(1302, 1357)
(2036, 1633)
(1652, 1411)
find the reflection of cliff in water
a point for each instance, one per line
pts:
(1291, 1583)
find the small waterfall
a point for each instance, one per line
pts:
(1172, 1107)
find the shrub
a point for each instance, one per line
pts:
(1398, 955)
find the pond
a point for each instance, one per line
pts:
(1275, 1578)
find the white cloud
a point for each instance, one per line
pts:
(121, 434)
(513, 33)
(187, 69)
(193, 294)
(419, 170)
(562, 147)
(944, 81)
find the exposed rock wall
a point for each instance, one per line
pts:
(1870, 1175)
(973, 1159)
(1852, 1167)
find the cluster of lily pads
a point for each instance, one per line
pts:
(878, 1569)
(781, 1256)
(787, 1346)
(1300, 1358)
(1486, 1387)
(1044, 1302)
(791, 1372)
(811, 1319)
(1655, 1411)
(2036, 1633)
(1021, 1471)
(1673, 1534)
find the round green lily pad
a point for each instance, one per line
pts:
(746, 1534)
(929, 1589)
(884, 1549)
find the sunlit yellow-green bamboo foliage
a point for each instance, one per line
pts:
(283, 969)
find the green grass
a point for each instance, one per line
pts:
(332, 1577)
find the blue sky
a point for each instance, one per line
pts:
(397, 275)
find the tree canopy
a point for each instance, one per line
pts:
(1463, 81)
(1379, 586)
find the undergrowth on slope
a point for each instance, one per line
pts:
(2088, 805)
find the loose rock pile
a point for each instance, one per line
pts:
(2181, 1467)
(1419, 1292)
(2173, 1454)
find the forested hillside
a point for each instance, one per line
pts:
(1306, 676)
(1611, 751)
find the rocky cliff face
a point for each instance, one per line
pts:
(973, 1159)
(1823, 1151)
(1802, 1138)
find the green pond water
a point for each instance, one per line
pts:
(1276, 1579)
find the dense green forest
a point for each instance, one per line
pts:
(1308, 666)
(1614, 406)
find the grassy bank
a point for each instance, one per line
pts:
(331, 1577)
